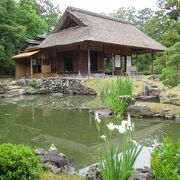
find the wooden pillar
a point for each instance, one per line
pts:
(103, 61)
(56, 59)
(89, 61)
(152, 58)
(112, 64)
(31, 68)
(79, 60)
(137, 59)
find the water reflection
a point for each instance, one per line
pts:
(39, 121)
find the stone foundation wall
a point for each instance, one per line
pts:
(58, 85)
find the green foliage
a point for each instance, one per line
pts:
(170, 73)
(172, 8)
(162, 25)
(27, 16)
(165, 160)
(20, 20)
(121, 86)
(45, 11)
(33, 84)
(170, 76)
(18, 162)
(115, 167)
(12, 35)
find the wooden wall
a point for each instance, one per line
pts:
(83, 62)
(45, 68)
(22, 69)
(79, 53)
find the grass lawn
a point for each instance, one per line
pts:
(156, 107)
(50, 176)
(98, 84)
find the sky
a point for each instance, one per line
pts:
(105, 6)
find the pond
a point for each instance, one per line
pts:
(39, 121)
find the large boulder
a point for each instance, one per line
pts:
(2, 90)
(150, 90)
(155, 91)
(148, 99)
(21, 82)
(56, 162)
(93, 173)
(138, 110)
(102, 111)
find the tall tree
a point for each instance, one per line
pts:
(22, 19)
(27, 16)
(128, 14)
(46, 10)
(171, 8)
(12, 35)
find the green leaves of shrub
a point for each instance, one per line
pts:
(33, 84)
(165, 160)
(18, 162)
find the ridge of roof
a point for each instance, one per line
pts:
(71, 9)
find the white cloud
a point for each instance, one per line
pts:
(105, 6)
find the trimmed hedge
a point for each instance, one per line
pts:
(18, 162)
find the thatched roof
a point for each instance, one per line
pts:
(95, 27)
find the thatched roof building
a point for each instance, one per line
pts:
(85, 42)
(89, 26)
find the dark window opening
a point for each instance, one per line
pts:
(36, 69)
(108, 64)
(68, 62)
(93, 57)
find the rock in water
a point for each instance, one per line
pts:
(138, 110)
(102, 111)
(2, 90)
(141, 174)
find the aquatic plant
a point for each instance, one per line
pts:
(121, 86)
(113, 164)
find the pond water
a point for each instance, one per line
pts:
(39, 121)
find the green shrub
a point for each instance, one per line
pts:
(168, 64)
(33, 84)
(18, 162)
(146, 72)
(170, 76)
(165, 160)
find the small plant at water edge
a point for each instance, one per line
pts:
(18, 162)
(33, 84)
(165, 160)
